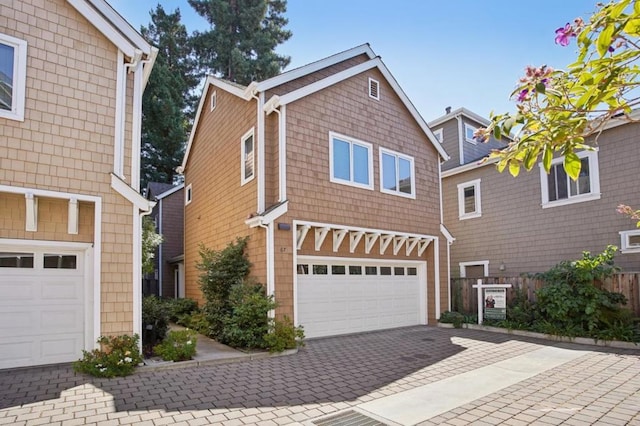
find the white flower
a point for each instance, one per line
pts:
(128, 359)
(102, 370)
(189, 342)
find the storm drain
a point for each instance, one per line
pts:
(348, 418)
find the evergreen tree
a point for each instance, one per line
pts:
(168, 101)
(240, 46)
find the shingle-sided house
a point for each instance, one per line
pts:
(335, 177)
(167, 280)
(505, 226)
(73, 73)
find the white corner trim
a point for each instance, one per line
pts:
(282, 153)
(131, 194)
(118, 145)
(259, 150)
(136, 125)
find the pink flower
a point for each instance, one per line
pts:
(563, 34)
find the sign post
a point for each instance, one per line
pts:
(492, 300)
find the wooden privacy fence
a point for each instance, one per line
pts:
(464, 298)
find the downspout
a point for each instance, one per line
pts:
(448, 242)
(270, 269)
(460, 139)
(121, 88)
(137, 272)
(160, 249)
(136, 120)
(261, 149)
(282, 153)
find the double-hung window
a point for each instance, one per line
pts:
(397, 174)
(247, 157)
(350, 161)
(469, 202)
(559, 189)
(13, 70)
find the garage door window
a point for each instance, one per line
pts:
(338, 270)
(320, 270)
(60, 261)
(355, 270)
(412, 271)
(398, 271)
(16, 260)
(303, 269)
(385, 270)
(371, 270)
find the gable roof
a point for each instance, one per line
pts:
(118, 30)
(156, 188)
(252, 89)
(460, 111)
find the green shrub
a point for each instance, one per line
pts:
(179, 345)
(247, 323)
(455, 318)
(572, 305)
(220, 272)
(283, 335)
(179, 308)
(118, 356)
(155, 322)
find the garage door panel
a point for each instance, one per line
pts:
(338, 304)
(42, 310)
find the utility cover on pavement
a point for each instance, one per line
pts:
(348, 418)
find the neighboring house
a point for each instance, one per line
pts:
(70, 211)
(334, 176)
(505, 226)
(168, 214)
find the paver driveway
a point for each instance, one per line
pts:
(333, 375)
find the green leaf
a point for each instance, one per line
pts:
(496, 132)
(546, 158)
(501, 165)
(604, 39)
(617, 10)
(572, 165)
(541, 88)
(514, 168)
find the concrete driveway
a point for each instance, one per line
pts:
(416, 375)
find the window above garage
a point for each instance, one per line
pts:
(350, 161)
(13, 70)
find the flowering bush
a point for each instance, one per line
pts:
(558, 109)
(179, 345)
(117, 356)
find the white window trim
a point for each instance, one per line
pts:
(483, 263)
(413, 173)
(439, 134)
(466, 128)
(377, 83)
(476, 190)
(214, 100)
(188, 195)
(243, 179)
(625, 247)
(19, 77)
(351, 141)
(594, 177)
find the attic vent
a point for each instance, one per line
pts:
(374, 89)
(214, 100)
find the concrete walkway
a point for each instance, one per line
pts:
(416, 375)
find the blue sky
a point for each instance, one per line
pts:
(443, 53)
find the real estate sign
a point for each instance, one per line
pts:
(495, 303)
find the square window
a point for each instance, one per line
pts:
(469, 132)
(320, 270)
(355, 270)
(397, 174)
(350, 161)
(559, 189)
(371, 270)
(303, 269)
(338, 270)
(412, 271)
(398, 270)
(469, 203)
(385, 270)
(247, 155)
(13, 71)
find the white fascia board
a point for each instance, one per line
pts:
(259, 220)
(169, 191)
(460, 111)
(122, 25)
(48, 194)
(450, 238)
(122, 188)
(468, 167)
(365, 230)
(108, 29)
(315, 66)
(149, 66)
(412, 109)
(328, 81)
(210, 81)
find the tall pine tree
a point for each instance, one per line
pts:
(240, 46)
(168, 101)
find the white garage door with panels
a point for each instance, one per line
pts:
(44, 303)
(339, 296)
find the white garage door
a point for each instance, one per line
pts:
(42, 305)
(337, 297)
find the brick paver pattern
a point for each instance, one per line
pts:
(331, 375)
